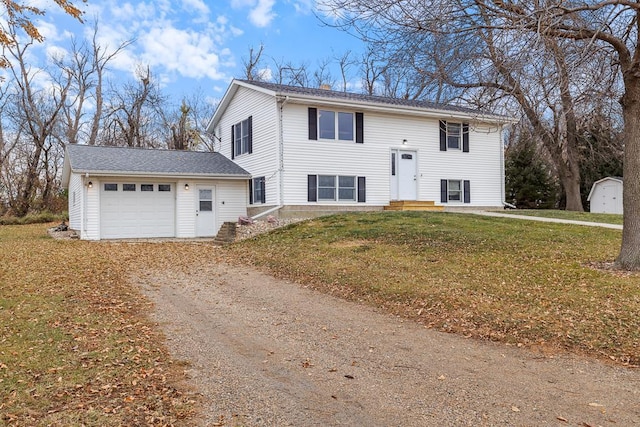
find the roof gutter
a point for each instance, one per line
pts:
(125, 174)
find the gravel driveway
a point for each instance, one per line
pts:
(267, 352)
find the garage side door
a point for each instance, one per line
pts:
(137, 209)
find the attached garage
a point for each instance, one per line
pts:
(117, 192)
(131, 209)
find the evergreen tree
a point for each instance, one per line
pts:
(528, 181)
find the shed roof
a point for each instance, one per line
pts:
(598, 182)
(147, 162)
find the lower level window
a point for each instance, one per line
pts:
(455, 190)
(330, 186)
(257, 190)
(333, 188)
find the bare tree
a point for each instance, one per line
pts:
(86, 64)
(288, 73)
(35, 112)
(322, 77)
(132, 117)
(252, 64)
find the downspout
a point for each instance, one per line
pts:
(85, 195)
(280, 164)
(502, 170)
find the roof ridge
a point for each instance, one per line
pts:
(354, 96)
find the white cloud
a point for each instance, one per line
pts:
(303, 6)
(265, 74)
(197, 6)
(188, 53)
(262, 14)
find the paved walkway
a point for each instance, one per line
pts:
(543, 219)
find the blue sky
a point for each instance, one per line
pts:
(197, 45)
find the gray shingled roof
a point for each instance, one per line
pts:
(139, 161)
(332, 94)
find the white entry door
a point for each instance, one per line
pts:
(406, 175)
(205, 213)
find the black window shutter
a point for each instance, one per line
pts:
(362, 189)
(233, 151)
(360, 128)
(312, 188)
(250, 134)
(263, 193)
(443, 135)
(467, 191)
(251, 191)
(444, 197)
(465, 137)
(313, 123)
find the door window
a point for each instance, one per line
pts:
(206, 200)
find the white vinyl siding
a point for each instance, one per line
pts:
(76, 200)
(263, 161)
(383, 132)
(303, 157)
(481, 166)
(229, 203)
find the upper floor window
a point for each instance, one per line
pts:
(454, 136)
(336, 125)
(329, 121)
(242, 137)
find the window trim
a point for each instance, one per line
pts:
(356, 132)
(257, 187)
(242, 138)
(465, 191)
(463, 141)
(358, 189)
(450, 191)
(454, 135)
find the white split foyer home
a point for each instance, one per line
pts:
(290, 151)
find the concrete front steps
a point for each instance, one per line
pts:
(413, 205)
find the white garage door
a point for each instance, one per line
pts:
(136, 209)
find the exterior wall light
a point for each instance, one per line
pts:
(404, 142)
(186, 187)
(90, 184)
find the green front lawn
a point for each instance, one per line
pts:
(575, 216)
(514, 281)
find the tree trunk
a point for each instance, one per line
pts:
(571, 185)
(629, 257)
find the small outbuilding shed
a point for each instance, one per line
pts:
(606, 196)
(117, 192)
